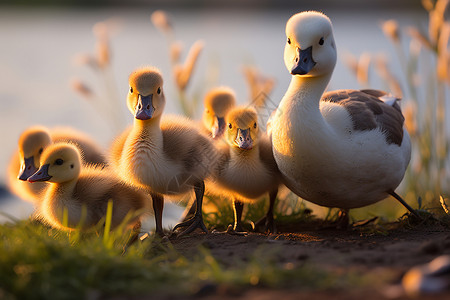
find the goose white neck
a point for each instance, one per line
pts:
(307, 91)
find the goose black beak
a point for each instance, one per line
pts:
(218, 127)
(243, 139)
(144, 108)
(303, 62)
(28, 169)
(41, 174)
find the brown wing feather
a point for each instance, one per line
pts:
(369, 112)
(183, 142)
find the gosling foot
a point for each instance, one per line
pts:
(236, 230)
(265, 224)
(191, 224)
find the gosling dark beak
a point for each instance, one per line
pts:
(144, 108)
(303, 62)
(28, 169)
(218, 127)
(243, 139)
(40, 175)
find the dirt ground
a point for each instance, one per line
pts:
(388, 251)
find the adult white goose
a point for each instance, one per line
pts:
(345, 148)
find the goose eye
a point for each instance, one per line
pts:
(159, 91)
(59, 162)
(41, 150)
(254, 125)
(230, 126)
(321, 41)
(131, 90)
(289, 41)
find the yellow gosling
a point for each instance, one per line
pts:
(83, 191)
(167, 156)
(32, 143)
(217, 102)
(246, 169)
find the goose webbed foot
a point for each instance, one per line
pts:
(192, 224)
(363, 223)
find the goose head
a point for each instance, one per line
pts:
(32, 143)
(145, 97)
(60, 163)
(310, 49)
(242, 128)
(217, 103)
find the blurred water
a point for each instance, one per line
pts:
(37, 49)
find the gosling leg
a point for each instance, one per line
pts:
(189, 213)
(267, 222)
(197, 220)
(158, 207)
(238, 208)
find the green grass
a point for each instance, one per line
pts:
(38, 262)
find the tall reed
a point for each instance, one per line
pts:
(105, 98)
(182, 71)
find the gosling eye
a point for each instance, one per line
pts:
(59, 162)
(321, 41)
(41, 150)
(131, 90)
(159, 91)
(289, 41)
(254, 125)
(71, 166)
(230, 126)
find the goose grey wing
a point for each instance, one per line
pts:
(369, 109)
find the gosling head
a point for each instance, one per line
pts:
(60, 162)
(242, 128)
(32, 143)
(145, 98)
(217, 103)
(310, 48)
